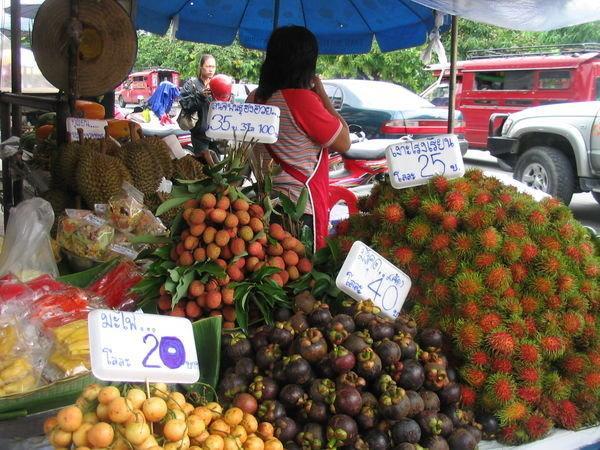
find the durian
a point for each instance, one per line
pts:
(189, 168)
(145, 170)
(161, 153)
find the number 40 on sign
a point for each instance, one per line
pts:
(366, 275)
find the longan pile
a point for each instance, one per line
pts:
(103, 418)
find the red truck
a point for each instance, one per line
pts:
(510, 80)
(139, 86)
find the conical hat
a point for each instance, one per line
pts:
(107, 51)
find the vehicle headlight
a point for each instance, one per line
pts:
(508, 123)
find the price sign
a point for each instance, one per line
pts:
(366, 275)
(412, 163)
(243, 122)
(92, 129)
(135, 347)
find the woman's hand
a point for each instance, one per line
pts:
(317, 87)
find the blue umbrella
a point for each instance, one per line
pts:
(341, 26)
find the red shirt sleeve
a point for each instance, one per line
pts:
(310, 115)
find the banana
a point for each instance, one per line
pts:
(22, 385)
(78, 335)
(62, 332)
(8, 339)
(19, 369)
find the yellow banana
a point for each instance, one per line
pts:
(63, 331)
(77, 335)
(21, 385)
(17, 370)
(8, 339)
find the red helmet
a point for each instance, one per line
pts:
(220, 87)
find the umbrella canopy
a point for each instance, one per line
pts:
(341, 26)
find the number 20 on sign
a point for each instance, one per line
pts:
(136, 347)
(366, 275)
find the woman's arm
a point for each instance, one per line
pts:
(342, 142)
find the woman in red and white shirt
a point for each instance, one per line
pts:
(309, 125)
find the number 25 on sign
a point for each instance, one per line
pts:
(366, 275)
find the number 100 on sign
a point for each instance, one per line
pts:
(366, 275)
(413, 163)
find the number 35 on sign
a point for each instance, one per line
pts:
(366, 275)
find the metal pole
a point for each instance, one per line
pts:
(15, 64)
(74, 36)
(452, 87)
(7, 182)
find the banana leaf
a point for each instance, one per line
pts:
(55, 395)
(83, 279)
(207, 334)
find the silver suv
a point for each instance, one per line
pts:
(554, 148)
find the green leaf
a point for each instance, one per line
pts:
(268, 185)
(175, 274)
(163, 253)
(288, 206)
(207, 334)
(149, 239)
(172, 203)
(307, 238)
(182, 287)
(301, 205)
(263, 272)
(241, 312)
(170, 286)
(85, 278)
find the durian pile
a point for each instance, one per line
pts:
(514, 283)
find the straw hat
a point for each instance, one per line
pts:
(107, 51)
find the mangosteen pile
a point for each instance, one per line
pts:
(353, 380)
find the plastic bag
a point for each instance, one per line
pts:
(71, 352)
(115, 285)
(125, 209)
(27, 251)
(60, 307)
(150, 224)
(85, 234)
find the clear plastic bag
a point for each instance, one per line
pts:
(150, 224)
(71, 351)
(27, 251)
(85, 234)
(125, 210)
(116, 284)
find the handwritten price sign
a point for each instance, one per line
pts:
(243, 122)
(366, 275)
(92, 129)
(134, 347)
(412, 163)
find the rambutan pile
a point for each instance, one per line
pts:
(514, 283)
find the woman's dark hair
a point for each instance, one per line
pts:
(203, 59)
(290, 62)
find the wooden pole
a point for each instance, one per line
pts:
(15, 64)
(74, 36)
(452, 87)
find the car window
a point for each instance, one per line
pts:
(335, 95)
(513, 80)
(555, 79)
(382, 95)
(598, 88)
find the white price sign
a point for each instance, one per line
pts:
(126, 346)
(412, 163)
(243, 122)
(92, 129)
(366, 275)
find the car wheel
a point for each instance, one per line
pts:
(122, 103)
(547, 169)
(596, 196)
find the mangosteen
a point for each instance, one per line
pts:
(322, 390)
(406, 430)
(405, 323)
(282, 314)
(342, 359)
(264, 388)
(489, 425)
(337, 333)
(475, 430)
(381, 328)
(383, 383)
(430, 400)
(341, 430)
(348, 401)
(388, 351)
(297, 369)
(315, 411)
(458, 416)
(408, 346)
(461, 439)
(368, 417)
(350, 379)
(320, 316)
(368, 364)
(368, 399)
(435, 376)
(429, 423)
(282, 334)
(349, 307)
(246, 368)
(377, 440)
(231, 385)
(451, 374)
(436, 443)
(313, 346)
(312, 437)
(304, 302)
(430, 339)
(407, 446)
(449, 394)
(412, 375)
(286, 429)
(325, 368)
(355, 343)
(270, 411)
(238, 346)
(346, 321)
(299, 322)
(359, 444)
(394, 404)
(266, 356)
(363, 318)
(290, 445)
(292, 396)
(416, 403)
(278, 372)
(447, 427)
(260, 338)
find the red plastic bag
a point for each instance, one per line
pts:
(115, 285)
(58, 308)
(11, 289)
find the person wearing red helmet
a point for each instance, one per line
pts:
(221, 87)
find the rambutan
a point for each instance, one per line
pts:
(594, 358)
(553, 347)
(433, 209)
(556, 387)
(515, 230)
(479, 358)
(391, 213)
(383, 240)
(586, 248)
(501, 343)
(440, 184)
(529, 394)
(439, 242)
(467, 335)
(591, 268)
(549, 262)
(482, 198)
(528, 352)
(468, 283)
(498, 278)
(542, 285)
(462, 185)
(572, 323)
(403, 255)
(511, 250)
(531, 325)
(537, 426)
(592, 381)
(447, 266)
(549, 243)
(510, 434)
(512, 412)
(418, 232)
(490, 322)
(554, 302)
(574, 253)
(564, 413)
(413, 202)
(537, 218)
(484, 260)
(440, 291)
(519, 272)
(500, 214)
(517, 326)
(529, 374)
(573, 364)
(455, 200)
(476, 219)
(463, 244)
(529, 303)
(414, 270)
(345, 243)
(449, 222)
(469, 309)
(501, 365)
(510, 307)
(506, 198)
(528, 252)
(567, 231)
(343, 227)
(468, 396)
(476, 175)
(565, 283)
(490, 238)
(489, 301)
(473, 375)
(501, 388)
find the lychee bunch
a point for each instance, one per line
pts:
(513, 282)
